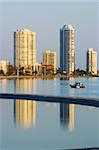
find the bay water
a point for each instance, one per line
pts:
(32, 125)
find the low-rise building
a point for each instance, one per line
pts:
(4, 66)
(37, 68)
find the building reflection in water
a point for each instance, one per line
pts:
(67, 116)
(25, 113)
(48, 78)
(4, 86)
(24, 110)
(67, 110)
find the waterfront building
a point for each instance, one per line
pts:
(49, 60)
(67, 51)
(37, 68)
(91, 61)
(24, 48)
(4, 66)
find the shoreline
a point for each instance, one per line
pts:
(89, 101)
(44, 77)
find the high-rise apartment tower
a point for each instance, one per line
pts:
(67, 52)
(24, 48)
(91, 61)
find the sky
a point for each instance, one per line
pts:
(46, 18)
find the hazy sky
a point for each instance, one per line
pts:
(46, 19)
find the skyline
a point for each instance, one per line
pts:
(47, 23)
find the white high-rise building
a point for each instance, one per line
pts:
(24, 48)
(67, 52)
(91, 61)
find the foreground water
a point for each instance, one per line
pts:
(34, 125)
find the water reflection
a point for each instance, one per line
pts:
(67, 116)
(25, 110)
(3, 85)
(48, 78)
(67, 78)
(67, 110)
(25, 85)
(25, 113)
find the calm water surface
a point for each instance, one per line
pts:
(34, 125)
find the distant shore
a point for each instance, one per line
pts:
(44, 76)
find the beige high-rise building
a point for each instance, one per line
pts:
(91, 61)
(24, 48)
(49, 58)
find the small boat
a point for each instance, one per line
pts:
(78, 85)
